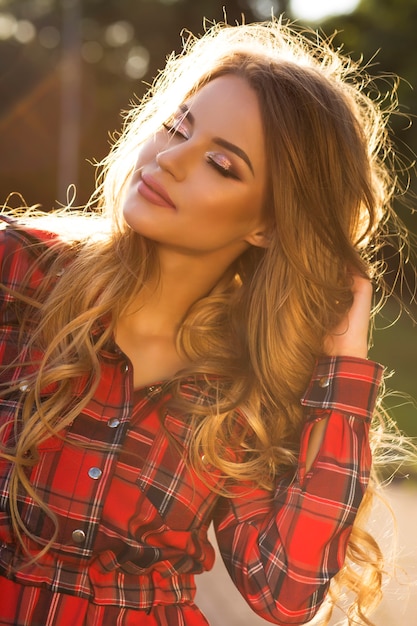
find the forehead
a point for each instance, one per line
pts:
(228, 107)
(226, 95)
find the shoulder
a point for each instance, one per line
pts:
(23, 252)
(18, 234)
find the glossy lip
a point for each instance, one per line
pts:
(154, 192)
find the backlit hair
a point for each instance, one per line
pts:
(262, 328)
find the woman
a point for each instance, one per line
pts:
(200, 354)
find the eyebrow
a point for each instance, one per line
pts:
(219, 141)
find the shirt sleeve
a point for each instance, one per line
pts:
(21, 249)
(282, 550)
(14, 260)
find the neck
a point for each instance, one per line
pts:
(181, 281)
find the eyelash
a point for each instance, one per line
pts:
(227, 172)
(174, 128)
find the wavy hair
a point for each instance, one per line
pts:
(328, 208)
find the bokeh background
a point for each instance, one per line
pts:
(67, 69)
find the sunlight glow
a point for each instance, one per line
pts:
(316, 10)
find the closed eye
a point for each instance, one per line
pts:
(222, 164)
(176, 126)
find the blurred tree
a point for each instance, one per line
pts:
(383, 32)
(118, 45)
(48, 110)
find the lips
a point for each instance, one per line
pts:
(154, 192)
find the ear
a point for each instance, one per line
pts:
(259, 239)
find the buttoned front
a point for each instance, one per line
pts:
(133, 516)
(78, 536)
(324, 381)
(95, 473)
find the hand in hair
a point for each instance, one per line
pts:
(350, 336)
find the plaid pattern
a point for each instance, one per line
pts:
(133, 517)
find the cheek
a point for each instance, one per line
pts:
(247, 208)
(148, 150)
(219, 209)
(231, 216)
(143, 155)
(234, 207)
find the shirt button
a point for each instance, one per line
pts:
(114, 422)
(154, 389)
(324, 381)
(24, 386)
(78, 536)
(94, 473)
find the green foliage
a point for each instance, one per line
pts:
(382, 32)
(395, 347)
(34, 105)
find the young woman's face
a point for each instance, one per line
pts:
(199, 183)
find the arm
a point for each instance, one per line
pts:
(349, 338)
(283, 552)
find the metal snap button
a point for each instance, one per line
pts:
(94, 473)
(154, 389)
(324, 381)
(78, 536)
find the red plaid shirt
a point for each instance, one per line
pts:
(133, 517)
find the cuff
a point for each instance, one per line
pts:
(343, 383)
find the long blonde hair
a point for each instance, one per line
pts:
(262, 328)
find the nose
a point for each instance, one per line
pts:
(176, 159)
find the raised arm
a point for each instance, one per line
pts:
(282, 551)
(349, 338)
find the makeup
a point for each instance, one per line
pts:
(154, 192)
